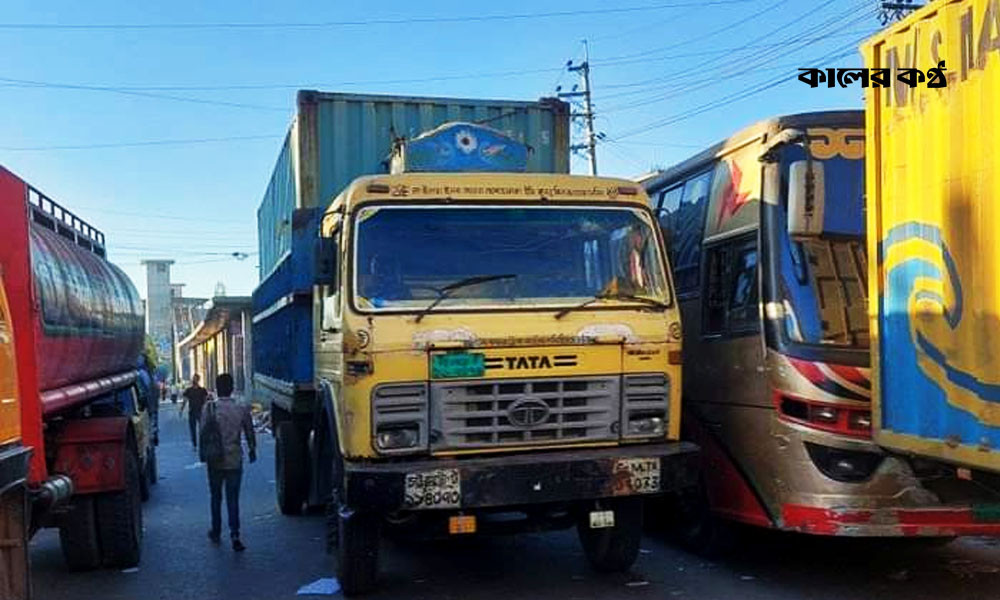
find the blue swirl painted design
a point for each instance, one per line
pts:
(913, 401)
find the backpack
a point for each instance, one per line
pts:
(211, 449)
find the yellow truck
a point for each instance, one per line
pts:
(933, 209)
(494, 352)
(14, 581)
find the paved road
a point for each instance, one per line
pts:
(284, 553)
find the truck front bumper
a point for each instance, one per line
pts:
(522, 479)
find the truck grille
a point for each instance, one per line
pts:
(474, 414)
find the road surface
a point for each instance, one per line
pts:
(285, 553)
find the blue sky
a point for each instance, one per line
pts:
(656, 72)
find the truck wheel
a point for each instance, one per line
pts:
(78, 535)
(357, 551)
(290, 468)
(119, 519)
(336, 494)
(693, 525)
(613, 549)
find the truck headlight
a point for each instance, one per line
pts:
(399, 418)
(643, 426)
(398, 438)
(645, 405)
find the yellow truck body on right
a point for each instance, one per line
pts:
(933, 211)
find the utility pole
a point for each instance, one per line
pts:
(590, 145)
(896, 10)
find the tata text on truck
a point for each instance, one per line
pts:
(933, 219)
(766, 233)
(82, 445)
(486, 342)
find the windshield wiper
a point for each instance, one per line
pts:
(444, 292)
(607, 296)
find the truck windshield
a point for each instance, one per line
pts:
(823, 283)
(561, 256)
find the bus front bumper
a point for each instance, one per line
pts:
(941, 521)
(522, 479)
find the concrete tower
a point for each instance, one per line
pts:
(159, 310)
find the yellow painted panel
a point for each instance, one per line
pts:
(933, 194)
(10, 414)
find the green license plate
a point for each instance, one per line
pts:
(457, 364)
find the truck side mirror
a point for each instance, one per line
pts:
(327, 261)
(806, 198)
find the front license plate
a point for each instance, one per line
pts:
(440, 488)
(637, 476)
(601, 519)
(457, 364)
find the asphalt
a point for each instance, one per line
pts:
(288, 552)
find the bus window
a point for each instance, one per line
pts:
(743, 314)
(666, 214)
(731, 296)
(689, 229)
(715, 285)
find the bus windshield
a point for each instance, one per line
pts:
(823, 281)
(409, 256)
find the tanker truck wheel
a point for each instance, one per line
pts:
(119, 519)
(290, 481)
(78, 535)
(615, 548)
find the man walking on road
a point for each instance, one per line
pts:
(234, 421)
(195, 398)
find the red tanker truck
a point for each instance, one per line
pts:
(85, 454)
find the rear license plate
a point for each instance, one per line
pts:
(457, 364)
(602, 519)
(637, 475)
(440, 488)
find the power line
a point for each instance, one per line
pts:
(167, 142)
(28, 83)
(279, 86)
(365, 22)
(704, 36)
(734, 59)
(724, 101)
(725, 71)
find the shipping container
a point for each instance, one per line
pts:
(335, 138)
(933, 193)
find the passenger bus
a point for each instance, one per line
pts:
(766, 235)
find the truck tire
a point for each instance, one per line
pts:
(290, 480)
(357, 551)
(78, 537)
(691, 523)
(119, 519)
(613, 549)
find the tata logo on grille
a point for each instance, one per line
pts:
(512, 363)
(528, 412)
